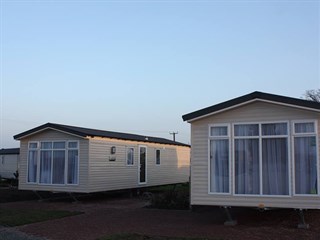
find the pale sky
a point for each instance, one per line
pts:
(138, 66)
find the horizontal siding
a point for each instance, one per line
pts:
(97, 173)
(51, 135)
(253, 112)
(8, 165)
(107, 175)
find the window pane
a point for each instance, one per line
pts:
(58, 167)
(219, 166)
(219, 131)
(72, 144)
(247, 177)
(130, 156)
(304, 127)
(59, 145)
(32, 166)
(275, 174)
(274, 129)
(158, 156)
(246, 130)
(45, 166)
(73, 161)
(46, 145)
(305, 156)
(142, 162)
(33, 145)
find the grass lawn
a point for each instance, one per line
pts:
(17, 217)
(135, 236)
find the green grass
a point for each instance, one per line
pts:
(170, 187)
(135, 236)
(17, 217)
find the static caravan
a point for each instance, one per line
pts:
(9, 160)
(258, 150)
(62, 158)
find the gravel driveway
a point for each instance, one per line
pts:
(110, 216)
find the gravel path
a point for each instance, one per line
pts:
(112, 216)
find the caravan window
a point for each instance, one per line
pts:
(305, 158)
(157, 156)
(54, 163)
(259, 153)
(130, 156)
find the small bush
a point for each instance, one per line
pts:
(176, 197)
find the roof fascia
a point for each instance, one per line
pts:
(251, 101)
(50, 128)
(138, 141)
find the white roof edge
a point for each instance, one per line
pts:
(49, 128)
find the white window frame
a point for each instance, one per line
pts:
(38, 156)
(78, 165)
(146, 163)
(65, 161)
(228, 137)
(156, 150)
(66, 149)
(133, 160)
(233, 138)
(260, 137)
(314, 134)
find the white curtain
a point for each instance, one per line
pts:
(130, 156)
(52, 163)
(219, 166)
(58, 167)
(45, 166)
(73, 166)
(274, 129)
(304, 127)
(32, 166)
(305, 165)
(246, 130)
(219, 131)
(275, 174)
(247, 177)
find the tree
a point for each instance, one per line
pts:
(313, 95)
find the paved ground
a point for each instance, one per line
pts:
(14, 234)
(110, 216)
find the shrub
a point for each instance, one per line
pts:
(176, 197)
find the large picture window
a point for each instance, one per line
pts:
(305, 158)
(57, 163)
(260, 158)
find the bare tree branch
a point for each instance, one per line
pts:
(312, 95)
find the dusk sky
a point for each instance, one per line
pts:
(138, 66)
